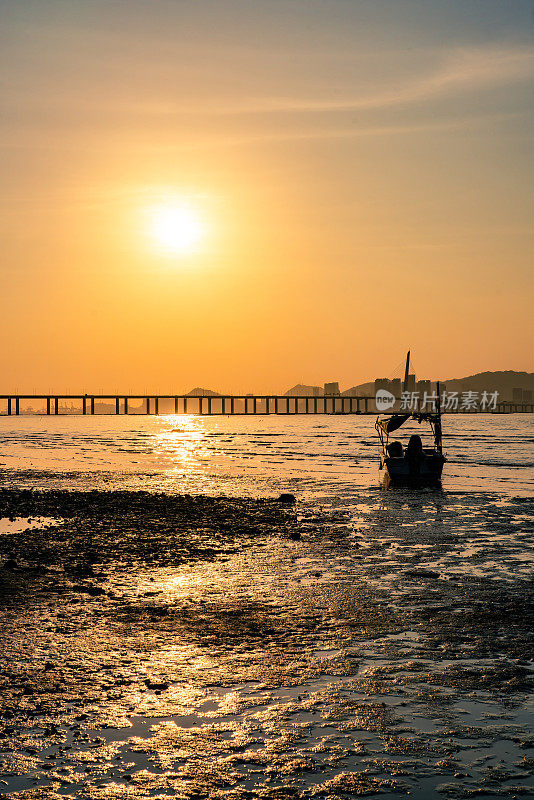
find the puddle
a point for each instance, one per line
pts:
(20, 524)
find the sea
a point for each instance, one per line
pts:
(318, 458)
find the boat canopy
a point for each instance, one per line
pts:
(393, 423)
(389, 424)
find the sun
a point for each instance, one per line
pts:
(176, 228)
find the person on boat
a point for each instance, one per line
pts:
(414, 452)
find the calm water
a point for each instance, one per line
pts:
(398, 645)
(314, 457)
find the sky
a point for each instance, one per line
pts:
(356, 178)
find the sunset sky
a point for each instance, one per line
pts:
(247, 194)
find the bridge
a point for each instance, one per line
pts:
(514, 408)
(121, 404)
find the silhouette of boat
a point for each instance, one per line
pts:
(413, 464)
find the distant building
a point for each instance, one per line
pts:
(410, 384)
(396, 387)
(422, 387)
(382, 383)
(522, 395)
(393, 386)
(332, 388)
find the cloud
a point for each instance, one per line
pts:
(458, 124)
(461, 71)
(449, 75)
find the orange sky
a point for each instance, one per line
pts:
(362, 172)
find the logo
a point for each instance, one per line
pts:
(384, 400)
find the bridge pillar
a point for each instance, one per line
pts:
(156, 405)
(92, 406)
(117, 405)
(9, 406)
(125, 405)
(84, 405)
(175, 405)
(48, 400)
(56, 405)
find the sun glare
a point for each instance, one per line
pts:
(176, 228)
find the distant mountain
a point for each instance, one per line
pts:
(198, 392)
(362, 390)
(302, 390)
(503, 382)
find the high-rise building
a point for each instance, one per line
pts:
(395, 387)
(423, 386)
(382, 383)
(332, 388)
(410, 384)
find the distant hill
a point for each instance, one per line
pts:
(301, 390)
(503, 382)
(362, 390)
(198, 392)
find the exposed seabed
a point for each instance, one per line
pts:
(157, 646)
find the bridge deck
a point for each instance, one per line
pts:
(119, 404)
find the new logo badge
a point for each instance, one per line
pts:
(384, 400)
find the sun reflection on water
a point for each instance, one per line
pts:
(184, 444)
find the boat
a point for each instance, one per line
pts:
(413, 464)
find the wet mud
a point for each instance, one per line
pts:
(195, 647)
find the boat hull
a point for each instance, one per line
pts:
(424, 471)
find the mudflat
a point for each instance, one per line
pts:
(190, 646)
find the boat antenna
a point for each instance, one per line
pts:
(406, 372)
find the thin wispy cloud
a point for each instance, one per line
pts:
(461, 71)
(459, 124)
(450, 75)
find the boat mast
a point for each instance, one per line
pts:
(437, 434)
(406, 372)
